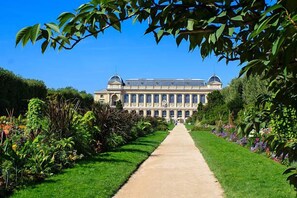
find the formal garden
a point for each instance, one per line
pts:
(63, 127)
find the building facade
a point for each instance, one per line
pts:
(168, 98)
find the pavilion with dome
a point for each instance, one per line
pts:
(168, 98)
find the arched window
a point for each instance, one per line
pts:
(171, 98)
(156, 98)
(126, 98)
(148, 98)
(179, 98)
(194, 99)
(187, 114)
(202, 99)
(133, 98)
(187, 98)
(179, 114)
(141, 98)
(114, 100)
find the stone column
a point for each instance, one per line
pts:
(144, 113)
(144, 100)
(129, 100)
(152, 102)
(191, 100)
(160, 100)
(137, 100)
(183, 114)
(198, 98)
(175, 100)
(206, 101)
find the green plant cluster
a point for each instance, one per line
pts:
(15, 92)
(56, 135)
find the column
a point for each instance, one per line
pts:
(160, 100)
(167, 99)
(144, 102)
(175, 100)
(191, 100)
(152, 101)
(137, 100)
(144, 113)
(206, 101)
(160, 113)
(198, 98)
(129, 96)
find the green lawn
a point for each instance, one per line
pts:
(241, 172)
(100, 176)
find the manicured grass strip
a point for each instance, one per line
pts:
(241, 172)
(100, 176)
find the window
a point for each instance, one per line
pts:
(179, 114)
(171, 114)
(179, 98)
(202, 99)
(156, 114)
(141, 112)
(164, 97)
(171, 98)
(187, 114)
(156, 98)
(126, 98)
(187, 98)
(141, 98)
(133, 98)
(194, 99)
(164, 114)
(148, 98)
(101, 96)
(148, 113)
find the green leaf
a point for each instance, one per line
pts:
(190, 25)
(44, 46)
(222, 14)
(34, 32)
(237, 18)
(53, 27)
(231, 31)
(212, 38)
(276, 45)
(220, 31)
(20, 35)
(64, 17)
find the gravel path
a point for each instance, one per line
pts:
(175, 169)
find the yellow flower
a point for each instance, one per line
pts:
(14, 147)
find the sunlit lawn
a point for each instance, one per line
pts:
(241, 172)
(100, 176)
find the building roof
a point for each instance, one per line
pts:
(116, 79)
(165, 82)
(214, 78)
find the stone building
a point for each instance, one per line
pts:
(168, 98)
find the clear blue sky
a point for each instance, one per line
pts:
(89, 65)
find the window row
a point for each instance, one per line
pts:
(156, 98)
(164, 113)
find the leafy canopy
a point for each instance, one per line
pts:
(261, 34)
